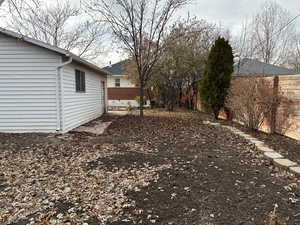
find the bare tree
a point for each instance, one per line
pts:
(187, 50)
(140, 25)
(244, 46)
(267, 36)
(19, 5)
(294, 55)
(271, 33)
(13, 4)
(55, 24)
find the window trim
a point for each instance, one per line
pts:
(117, 82)
(81, 78)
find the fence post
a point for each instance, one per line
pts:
(274, 105)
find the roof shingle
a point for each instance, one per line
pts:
(252, 66)
(117, 68)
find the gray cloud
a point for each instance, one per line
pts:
(231, 13)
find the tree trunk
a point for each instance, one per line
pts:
(142, 100)
(216, 113)
(228, 113)
(149, 97)
(180, 98)
(274, 105)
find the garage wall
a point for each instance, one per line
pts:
(28, 77)
(79, 108)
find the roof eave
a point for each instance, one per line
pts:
(88, 64)
(34, 41)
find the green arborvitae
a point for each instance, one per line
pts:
(216, 80)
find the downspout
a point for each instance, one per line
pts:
(60, 95)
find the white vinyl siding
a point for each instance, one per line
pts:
(28, 82)
(81, 107)
(124, 82)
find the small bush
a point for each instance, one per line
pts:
(129, 106)
(252, 99)
(138, 99)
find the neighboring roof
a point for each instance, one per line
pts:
(252, 66)
(53, 49)
(117, 68)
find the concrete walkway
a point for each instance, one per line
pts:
(96, 128)
(270, 153)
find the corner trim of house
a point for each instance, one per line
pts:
(60, 95)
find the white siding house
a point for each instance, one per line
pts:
(38, 90)
(123, 81)
(80, 108)
(120, 82)
(122, 92)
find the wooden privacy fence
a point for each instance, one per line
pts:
(282, 121)
(290, 86)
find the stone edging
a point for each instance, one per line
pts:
(277, 158)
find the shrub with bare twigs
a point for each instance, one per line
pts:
(254, 100)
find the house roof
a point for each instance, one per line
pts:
(253, 66)
(53, 49)
(117, 68)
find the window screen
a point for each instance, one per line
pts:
(80, 81)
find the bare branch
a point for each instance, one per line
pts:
(140, 25)
(54, 24)
(267, 36)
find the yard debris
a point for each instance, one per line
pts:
(36, 179)
(168, 166)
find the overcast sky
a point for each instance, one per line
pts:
(229, 13)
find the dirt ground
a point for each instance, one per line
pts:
(167, 168)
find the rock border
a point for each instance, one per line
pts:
(269, 153)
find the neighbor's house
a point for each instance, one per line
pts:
(46, 89)
(122, 92)
(250, 67)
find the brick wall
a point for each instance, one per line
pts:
(123, 93)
